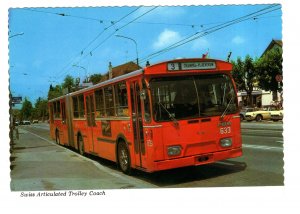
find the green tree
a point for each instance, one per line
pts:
(54, 92)
(244, 74)
(16, 113)
(26, 110)
(268, 66)
(96, 78)
(41, 109)
(68, 83)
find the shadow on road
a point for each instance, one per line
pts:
(178, 176)
(189, 174)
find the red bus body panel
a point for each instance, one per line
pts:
(198, 138)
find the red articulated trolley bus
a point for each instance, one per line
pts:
(171, 114)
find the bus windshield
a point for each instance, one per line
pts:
(185, 97)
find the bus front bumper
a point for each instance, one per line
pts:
(197, 159)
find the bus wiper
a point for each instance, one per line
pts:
(226, 109)
(175, 121)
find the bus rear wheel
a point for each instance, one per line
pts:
(124, 158)
(80, 145)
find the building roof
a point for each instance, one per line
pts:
(272, 44)
(125, 69)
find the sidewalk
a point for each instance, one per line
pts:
(39, 164)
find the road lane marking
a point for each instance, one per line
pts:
(263, 147)
(128, 179)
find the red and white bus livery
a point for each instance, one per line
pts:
(171, 114)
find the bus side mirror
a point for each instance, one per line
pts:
(143, 94)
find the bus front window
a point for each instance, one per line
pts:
(185, 97)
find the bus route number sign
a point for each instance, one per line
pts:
(176, 66)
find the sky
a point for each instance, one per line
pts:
(46, 44)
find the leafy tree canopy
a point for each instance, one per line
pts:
(96, 78)
(268, 66)
(26, 110)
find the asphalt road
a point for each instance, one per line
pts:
(37, 163)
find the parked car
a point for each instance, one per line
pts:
(277, 115)
(267, 113)
(244, 111)
(26, 122)
(35, 121)
(258, 115)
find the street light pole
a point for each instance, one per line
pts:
(136, 49)
(81, 68)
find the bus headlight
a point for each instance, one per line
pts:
(226, 142)
(174, 150)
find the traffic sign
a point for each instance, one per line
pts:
(16, 100)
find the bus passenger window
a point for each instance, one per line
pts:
(57, 109)
(63, 112)
(109, 101)
(100, 108)
(75, 107)
(78, 106)
(121, 99)
(81, 106)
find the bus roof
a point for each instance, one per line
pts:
(106, 82)
(184, 65)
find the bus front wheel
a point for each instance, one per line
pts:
(124, 158)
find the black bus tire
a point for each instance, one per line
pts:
(123, 158)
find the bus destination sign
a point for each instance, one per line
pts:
(176, 66)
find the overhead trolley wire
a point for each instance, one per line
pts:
(112, 24)
(102, 42)
(72, 61)
(209, 31)
(64, 15)
(118, 29)
(205, 32)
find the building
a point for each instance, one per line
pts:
(121, 69)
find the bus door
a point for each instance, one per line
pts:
(91, 124)
(137, 122)
(64, 125)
